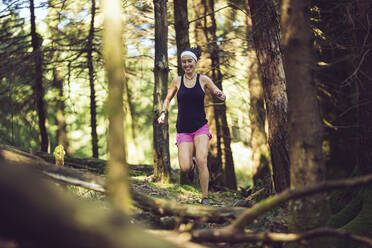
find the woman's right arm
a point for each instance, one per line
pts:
(171, 92)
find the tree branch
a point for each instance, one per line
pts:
(233, 236)
(290, 194)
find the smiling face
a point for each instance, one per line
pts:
(188, 64)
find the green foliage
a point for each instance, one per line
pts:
(65, 30)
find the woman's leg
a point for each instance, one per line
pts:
(185, 151)
(201, 150)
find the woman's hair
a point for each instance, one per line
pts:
(197, 50)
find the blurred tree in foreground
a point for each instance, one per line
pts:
(117, 169)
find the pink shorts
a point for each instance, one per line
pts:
(189, 137)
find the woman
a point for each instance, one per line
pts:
(192, 125)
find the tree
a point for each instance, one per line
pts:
(181, 25)
(220, 160)
(36, 41)
(305, 128)
(161, 135)
(17, 101)
(117, 170)
(93, 111)
(267, 43)
(60, 113)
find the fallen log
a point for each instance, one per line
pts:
(94, 165)
(36, 213)
(95, 182)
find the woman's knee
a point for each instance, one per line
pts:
(185, 165)
(201, 160)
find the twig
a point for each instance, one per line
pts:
(343, 83)
(234, 236)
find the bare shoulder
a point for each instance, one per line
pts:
(205, 81)
(176, 82)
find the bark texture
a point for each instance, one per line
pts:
(269, 55)
(305, 127)
(161, 134)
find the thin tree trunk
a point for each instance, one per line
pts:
(267, 43)
(305, 127)
(223, 131)
(36, 41)
(220, 160)
(161, 135)
(181, 25)
(93, 107)
(132, 112)
(117, 171)
(204, 67)
(60, 115)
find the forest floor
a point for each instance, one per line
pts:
(141, 181)
(187, 196)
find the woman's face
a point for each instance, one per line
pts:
(188, 64)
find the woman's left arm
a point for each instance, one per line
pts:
(213, 88)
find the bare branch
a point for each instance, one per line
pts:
(233, 236)
(290, 194)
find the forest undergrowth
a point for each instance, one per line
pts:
(141, 181)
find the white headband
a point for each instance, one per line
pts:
(190, 54)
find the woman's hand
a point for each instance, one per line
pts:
(220, 95)
(161, 118)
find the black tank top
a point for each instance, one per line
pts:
(191, 114)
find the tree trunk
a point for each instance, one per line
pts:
(36, 41)
(220, 160)
(305, 128)
(93, 107)
(161, 135)
(181, 25)
(117, 171)
(267, 43)
(223, 131)
(204, 67)
(60, 115)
